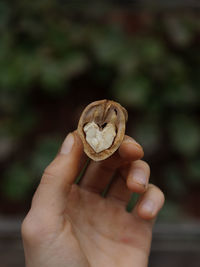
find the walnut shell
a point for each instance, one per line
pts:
(101, 128)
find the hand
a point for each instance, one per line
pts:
(72, 225)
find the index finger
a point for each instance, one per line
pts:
(98, 174)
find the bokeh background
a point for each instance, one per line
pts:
(55, 58)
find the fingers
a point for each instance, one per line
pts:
(150, 203)
(118, 191)
(151, 199)
(138, 176)
(99, 174)
(60, 174)
(131, 178)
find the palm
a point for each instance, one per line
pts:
(105, 231)
(68, 225)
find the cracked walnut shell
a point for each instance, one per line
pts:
(101, 128)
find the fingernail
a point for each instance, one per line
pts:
(148, 206)
(67, 144)
(129, 140)
(139, 177)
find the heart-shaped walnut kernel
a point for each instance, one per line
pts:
(101, 128)
(98, 139)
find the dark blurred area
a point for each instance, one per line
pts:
(55, 58)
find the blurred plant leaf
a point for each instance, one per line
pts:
(193, 174)
(179, 30)
(16, 72)
(18, 124)
(10, 101)
(147, 133)
(149, 50)
(44, 152)
(109, 44)
(132, 91)
(132, 202)
(17, 181)
(7, 146)
(5, 13)
(175, 68)
(174, 180)
(180, 94)
(185, 135)
(55, 74)
(23, 124)
(171, 212)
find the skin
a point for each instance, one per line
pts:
(73, 225)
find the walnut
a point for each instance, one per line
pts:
(101, 128)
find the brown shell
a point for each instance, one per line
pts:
(99, 112)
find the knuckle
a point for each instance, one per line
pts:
(46, 177)
(142, 164)
(27, 228)
(33, 229)
(49, 170)
(50, 173)
(145, 165)
(158, 191)
(52, 168)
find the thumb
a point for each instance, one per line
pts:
(60, 175)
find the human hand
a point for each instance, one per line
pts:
(73, 225)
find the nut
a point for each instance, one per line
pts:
(98, 139)
(101, 128)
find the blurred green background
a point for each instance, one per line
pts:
(54, 60)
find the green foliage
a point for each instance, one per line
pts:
(132, 202)
(171, 212)
(133, 90)
(185, 135)
(147, 133)
(45, 150)
(194, 170)
(17, 181)
(174, 178)
(150, 68)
